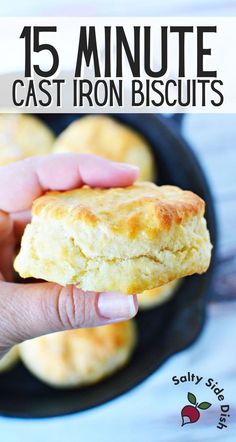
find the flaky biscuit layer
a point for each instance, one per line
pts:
(128, 240)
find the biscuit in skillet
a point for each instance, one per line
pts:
(155, 297)
(22, 136)
(105, 137)
(79, 357)
(9, 360)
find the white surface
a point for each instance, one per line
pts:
(121, 7)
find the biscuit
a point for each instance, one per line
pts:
(153, 298)
(79, 357)
(121, 239)
(10, 359)
(105, 137)
(22, 136)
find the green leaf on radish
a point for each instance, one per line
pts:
(192, 398)
(204, 405)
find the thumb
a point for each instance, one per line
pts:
(31, 310)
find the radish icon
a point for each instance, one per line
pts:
(190, 413)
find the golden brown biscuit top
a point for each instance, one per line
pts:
(100, 135)
(105, 339)
(23, 135)
(143, 208)
(108, 138)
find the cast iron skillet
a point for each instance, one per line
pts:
(162, 331)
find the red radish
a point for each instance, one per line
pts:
(189, 415)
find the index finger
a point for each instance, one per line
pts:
(23, 181)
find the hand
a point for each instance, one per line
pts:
(31, 310)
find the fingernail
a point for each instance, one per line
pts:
(128, 167)
(117, 306)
